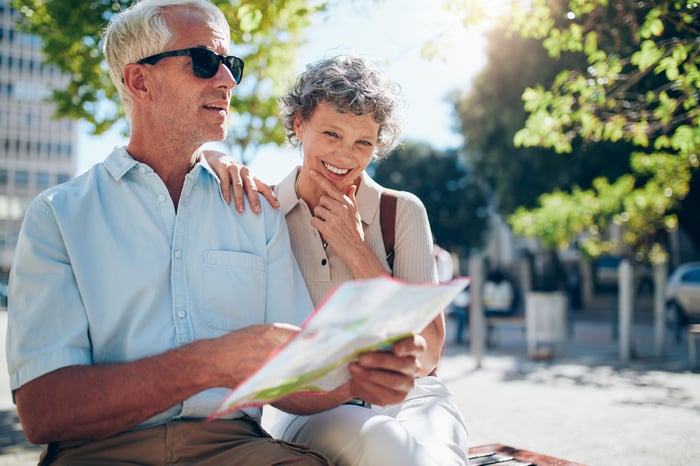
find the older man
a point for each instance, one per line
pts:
(138, 295)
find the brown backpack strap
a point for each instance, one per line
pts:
(387, 220)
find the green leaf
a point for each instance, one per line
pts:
(648, 56)
(250, 18)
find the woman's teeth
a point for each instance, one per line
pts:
(336, 170)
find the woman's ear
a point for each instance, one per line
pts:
(298, 125)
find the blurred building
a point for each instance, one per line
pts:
(36, 150)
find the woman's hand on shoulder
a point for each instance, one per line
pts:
(237, 176)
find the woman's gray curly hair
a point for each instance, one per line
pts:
(350, 84)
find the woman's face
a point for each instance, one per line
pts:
(337, 145)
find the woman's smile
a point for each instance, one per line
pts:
(335, 170)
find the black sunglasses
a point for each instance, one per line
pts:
(205, 63)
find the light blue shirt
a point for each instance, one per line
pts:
(105, 271)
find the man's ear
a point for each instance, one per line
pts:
(135, 81)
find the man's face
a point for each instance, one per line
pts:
(186, 106)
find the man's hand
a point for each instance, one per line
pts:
(244, 183)
(254, 345)
(386, 377)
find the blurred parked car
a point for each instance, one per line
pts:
(605, 275)
(683, 297)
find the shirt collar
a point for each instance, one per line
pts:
(367, 195)
(120, 162)
(202, 162)
(286, 194)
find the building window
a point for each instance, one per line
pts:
(3, 177)
(21, 178)
(62, 178)
(43, 179)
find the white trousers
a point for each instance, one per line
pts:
(427, 429)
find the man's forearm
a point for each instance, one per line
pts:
(91, 402)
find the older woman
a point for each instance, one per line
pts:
(343, 112)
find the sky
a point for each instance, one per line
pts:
(391, 33)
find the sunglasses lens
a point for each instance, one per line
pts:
(235, 65)
(205, 64)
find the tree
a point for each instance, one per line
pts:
(268, 35)
(455, 201)
(491, 113)
(640, 86)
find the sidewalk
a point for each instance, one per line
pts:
(584, 406)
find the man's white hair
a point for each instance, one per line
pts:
(141, 31)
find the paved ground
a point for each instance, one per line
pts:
(584, 406)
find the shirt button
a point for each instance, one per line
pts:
(178, 254)
(181, 314)
(142, 169)
(324, 262)
(161, 198)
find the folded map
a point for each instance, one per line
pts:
(358, 316)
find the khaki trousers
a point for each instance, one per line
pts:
(193, 442)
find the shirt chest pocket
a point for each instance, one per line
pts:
(234, 290)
